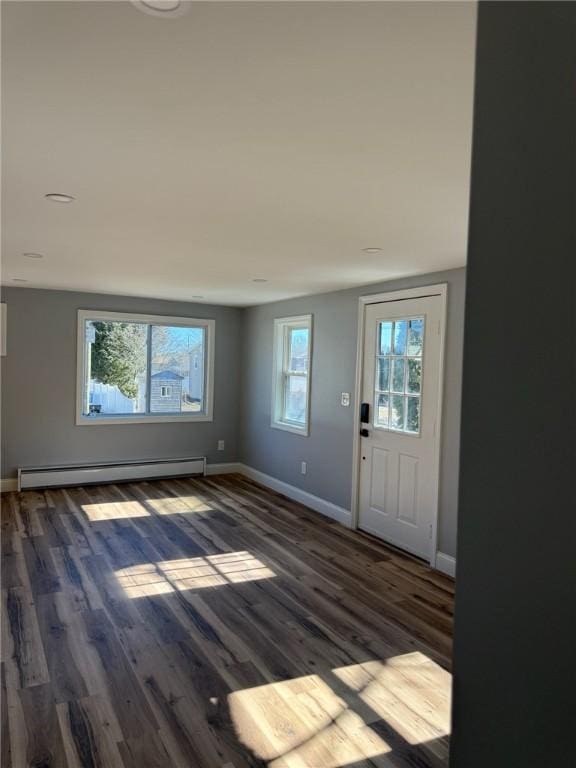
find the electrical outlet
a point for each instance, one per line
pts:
(345, 399)
(220, 445)
(303, 467)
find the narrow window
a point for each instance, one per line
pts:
(291, 376)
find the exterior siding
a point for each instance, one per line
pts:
(159, 404)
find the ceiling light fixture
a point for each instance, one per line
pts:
(19, 280)
(163, 8)
(259, 280)
(58, 197)
(372, 250)
(197, 297)
(33, 255)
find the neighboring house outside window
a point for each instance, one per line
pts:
(166, 392)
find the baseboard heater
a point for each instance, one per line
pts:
(96, 474)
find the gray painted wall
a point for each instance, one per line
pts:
(514, 672)
(328, 449)
(39, 382)
(39, 386)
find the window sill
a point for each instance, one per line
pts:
(107, 421)
(302, 431)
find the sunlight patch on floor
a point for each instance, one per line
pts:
(191, 573)
(117, 510)
(337, 719)
(178, 505)
(410, 692)
(302, 722)
(114, 510)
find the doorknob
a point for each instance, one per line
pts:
(365, 433)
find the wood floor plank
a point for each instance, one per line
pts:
(5, 746)
(53, 527)
(74, 581)
(90, 732)
(148, 751)
(213, 623)
(14, 572)
(40, 566)
(132, 709)
(22, 645)
(66, 679)
(34, 729)
(27, 513)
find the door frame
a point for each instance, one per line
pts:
(424, 291)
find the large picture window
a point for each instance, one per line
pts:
(291, 384)
(135, 368)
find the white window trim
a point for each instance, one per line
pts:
(126, 317)
(281, 325)
(165, 390)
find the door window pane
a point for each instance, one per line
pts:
(115, 379)
(177, 369)
(397, 412)
(400, 333)
(385, 347)
(414, 375)
(382, 410)
(398, 374)
(383, 374)
(412, 414)
(416, 336)
(399, 371)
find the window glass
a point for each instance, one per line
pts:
(115, 379)
(176, 369)
(399, 353)
(298, 354)
(385, 338)
(295, 399)
(382, 410)
(141, 369)
(398, 374)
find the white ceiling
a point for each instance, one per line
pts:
(238, 141)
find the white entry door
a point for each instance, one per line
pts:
(398, 493)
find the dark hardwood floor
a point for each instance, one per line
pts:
(209, 623)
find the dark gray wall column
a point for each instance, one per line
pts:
(515, 655)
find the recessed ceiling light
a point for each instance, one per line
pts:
(166, 8)
(162, 5)
(33, 255)
(19, 280)
(259, 280)
(58, 197)
(372, 250)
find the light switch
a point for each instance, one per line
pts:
(345, 400)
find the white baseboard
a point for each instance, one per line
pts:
(446, 564)
(223, 469)
(326, 508)
(8, 484)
